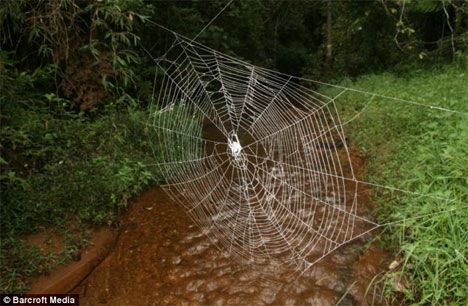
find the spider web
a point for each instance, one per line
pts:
(259, 162)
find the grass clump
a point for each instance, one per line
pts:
(425, 151)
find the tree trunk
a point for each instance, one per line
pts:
(329, 58)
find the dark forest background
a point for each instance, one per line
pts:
(75, 84)
(91, 50)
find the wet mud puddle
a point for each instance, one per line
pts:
(162, 258)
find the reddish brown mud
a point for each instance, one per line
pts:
(161, 257)
(65, 278)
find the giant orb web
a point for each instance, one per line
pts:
(258, 161)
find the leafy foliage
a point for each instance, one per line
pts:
(90, 46)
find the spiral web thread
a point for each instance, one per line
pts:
(257, 160)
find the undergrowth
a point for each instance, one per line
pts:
(62, 171)
(65, 172)
(425, 151)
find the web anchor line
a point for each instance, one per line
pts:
(281, 74)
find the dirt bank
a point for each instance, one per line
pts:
(65, 278)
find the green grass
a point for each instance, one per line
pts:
(425, 151)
